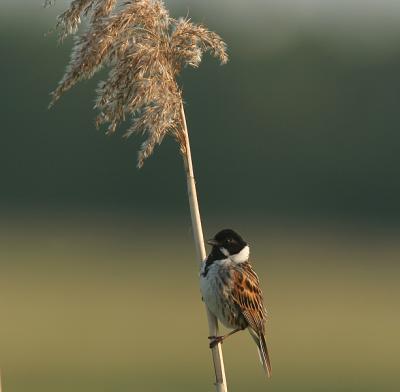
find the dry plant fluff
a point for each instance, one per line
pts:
(145, 49)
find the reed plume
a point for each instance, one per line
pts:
(144, 50)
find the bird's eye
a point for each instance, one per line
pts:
(230, 240)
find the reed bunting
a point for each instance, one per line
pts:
(231, 290)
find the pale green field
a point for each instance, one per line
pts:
(101, 304)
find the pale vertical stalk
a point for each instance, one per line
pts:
(218, 360)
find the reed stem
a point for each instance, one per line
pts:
(218, 360)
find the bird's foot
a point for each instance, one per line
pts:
(214, 340)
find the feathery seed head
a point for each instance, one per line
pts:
(144, 49)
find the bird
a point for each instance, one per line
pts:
(231, 290)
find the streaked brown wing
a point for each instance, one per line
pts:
(246, 293)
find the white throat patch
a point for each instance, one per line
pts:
(240, 257)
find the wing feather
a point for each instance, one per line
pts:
(246, 293)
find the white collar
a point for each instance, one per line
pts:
(240, 257)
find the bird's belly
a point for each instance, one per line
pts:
(217, 300)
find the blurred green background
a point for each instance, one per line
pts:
(295, 145)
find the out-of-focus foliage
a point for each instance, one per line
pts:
(309, 128)
(83, 300)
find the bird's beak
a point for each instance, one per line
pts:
(212, 242)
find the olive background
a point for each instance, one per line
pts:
(295, 145)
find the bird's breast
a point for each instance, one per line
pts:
(216, 285)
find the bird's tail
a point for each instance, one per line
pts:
(262, 347)
(263, 352)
